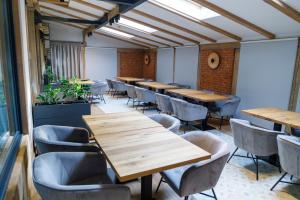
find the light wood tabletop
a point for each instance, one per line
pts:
(130, 79)
(198, 95)
(136, 146)
(157, 85)
(82, 82)
(276, 115)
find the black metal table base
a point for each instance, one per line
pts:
(146, 188)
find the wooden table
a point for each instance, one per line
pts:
(82, 82)
(136, 146)
(130, 79)
(161, 87)
(199, 95)
(278, 116)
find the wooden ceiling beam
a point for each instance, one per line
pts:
(83, 12)
(235, 18)
(285, 9)
(60, 12)
(197, 21)
(161, 30)
(124, 40)
(174, 26)
(138, 36)
(94, 6)
(57, 2)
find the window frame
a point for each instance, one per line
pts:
(13, 103)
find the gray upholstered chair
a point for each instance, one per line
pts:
(289, 155)
(145, 96)
(201, 176)
(227, 108)
(255, 140)
(119, 87)
(169, 122)
(188, 112)
(164, 103)
(52, 138)
(110, 86)
(98, 90)
(131, 93)
(75, 176)
(296, 132)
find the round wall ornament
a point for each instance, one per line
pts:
(147, 59)
(213, 60)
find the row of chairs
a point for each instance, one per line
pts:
(260, 142)
(68, 166)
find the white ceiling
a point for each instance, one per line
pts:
(255, 11)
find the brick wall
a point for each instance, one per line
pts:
(149, 71)
(131, 63)
(220, 79)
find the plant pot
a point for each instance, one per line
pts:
(61, 114)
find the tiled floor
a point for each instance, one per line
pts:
(237, 181)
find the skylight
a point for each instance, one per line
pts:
(187, 8)
(117, 33)
(136, 26)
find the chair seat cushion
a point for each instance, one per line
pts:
(94, 180)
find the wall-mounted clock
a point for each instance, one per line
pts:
(213, 60)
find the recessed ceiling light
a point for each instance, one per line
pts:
(136, 26)
(187, 8)
(115, 32)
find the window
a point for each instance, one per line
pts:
(115, 32)
(136, 26)
(187, 8)
(10, 136)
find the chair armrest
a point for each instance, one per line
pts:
(72, 134)
(91, 192)
(56, 146)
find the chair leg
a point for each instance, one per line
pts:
(291, 178)
(221, 123)
(256, 164)
(232, 154)
(186, 198)
(161, 179)
(103, 99)
(128, 100)
(213, 191)
(278, 181)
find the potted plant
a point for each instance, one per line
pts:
(62, 105)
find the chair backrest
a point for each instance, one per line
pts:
(169, 122)
(55, 172)
(119, 86)
(253, 139)
(208, 171)
(164, 103)
(229, 107)
(289, 154)
(131, 91)
(145, 95)
(98, 88)
(109, 83)
(186, 111)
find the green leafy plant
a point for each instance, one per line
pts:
(50, 95)
(49, 73)
(72, 89)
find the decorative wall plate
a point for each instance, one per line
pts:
(213, 60)
(147, 59)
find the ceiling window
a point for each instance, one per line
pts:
(136, 26)
(117, 33)
(187, 8)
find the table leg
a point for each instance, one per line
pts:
(146, 189)
(277, 127)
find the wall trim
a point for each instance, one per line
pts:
(226, 45)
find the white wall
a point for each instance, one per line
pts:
(164, 69)
(265, 75)
(186, 66)
(101, 63)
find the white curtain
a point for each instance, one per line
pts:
(67, 59)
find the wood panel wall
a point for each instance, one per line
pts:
(131, 63)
